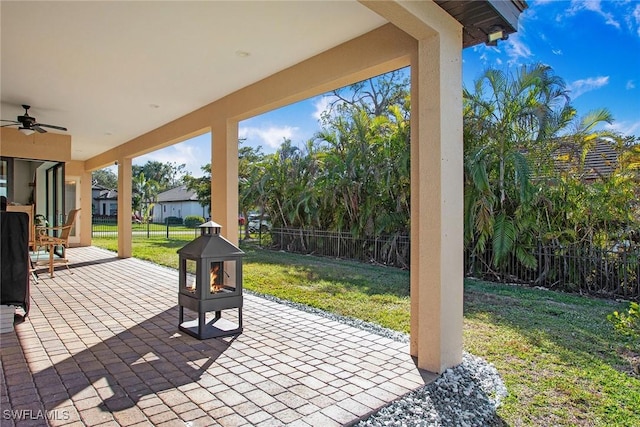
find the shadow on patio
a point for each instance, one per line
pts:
(101, 345)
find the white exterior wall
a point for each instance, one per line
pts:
(180, 209)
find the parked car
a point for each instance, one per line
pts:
(257, 223)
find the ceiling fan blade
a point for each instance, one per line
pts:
(12, 122)
(50, 126)
(38, 129)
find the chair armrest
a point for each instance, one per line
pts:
(43, 230)
(43, 236)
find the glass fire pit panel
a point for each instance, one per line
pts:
(222, 277)
(189, 279)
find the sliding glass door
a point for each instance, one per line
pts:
(55, 195)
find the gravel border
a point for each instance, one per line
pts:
(464, 396)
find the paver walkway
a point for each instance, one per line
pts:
(101, 347)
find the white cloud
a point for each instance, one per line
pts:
(320, 105)
(630, 85)
(625, 128)
(517, 49)
(191, 153)
(580, 87)
(271, 136)
(635, 18)
(556, 51)
(592, 6)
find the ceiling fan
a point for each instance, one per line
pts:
(28, 124)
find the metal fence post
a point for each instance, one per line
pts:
(625, 269)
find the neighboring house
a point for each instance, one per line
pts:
(178, 202)
(601, 160)
(103, 201)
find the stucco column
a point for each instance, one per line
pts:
(75, 171)
(437, 204)
(124, 207)
(224, 177)
(84, 226)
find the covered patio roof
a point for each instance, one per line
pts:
(128, 78)
(112, 71)
(101, 345)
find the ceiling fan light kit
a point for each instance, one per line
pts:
(28, 125)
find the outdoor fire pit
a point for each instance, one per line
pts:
(210, 281)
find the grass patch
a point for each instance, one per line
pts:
(561, 360)
(558, 355)
(371, 293)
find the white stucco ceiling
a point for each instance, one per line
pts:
(110, 71)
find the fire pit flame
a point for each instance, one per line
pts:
(213, 279)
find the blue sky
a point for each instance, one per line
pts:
(593, 45)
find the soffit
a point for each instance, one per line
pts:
(110, 71)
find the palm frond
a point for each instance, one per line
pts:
(504, 237)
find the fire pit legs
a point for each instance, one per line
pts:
(214, 327)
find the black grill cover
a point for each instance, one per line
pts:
(14, 256)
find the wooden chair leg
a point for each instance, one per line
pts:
(32, 271)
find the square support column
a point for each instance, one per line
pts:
(84, 227)
(224, 177)
(124, 207)
(437, 204)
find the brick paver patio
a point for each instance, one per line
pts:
(101, 347)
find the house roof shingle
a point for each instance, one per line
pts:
(178, 194)
(600, 160)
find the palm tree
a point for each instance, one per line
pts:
(508, 120)
(144, 193)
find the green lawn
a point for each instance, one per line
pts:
(561, 360)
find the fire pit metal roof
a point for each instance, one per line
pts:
(210, 245)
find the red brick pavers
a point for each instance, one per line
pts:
(101, 347)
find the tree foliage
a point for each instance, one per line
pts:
(165, 175)
(201, 185)
(105, 178)
(250, 167)
(518, 194)
(143, 194)
(354, 175)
